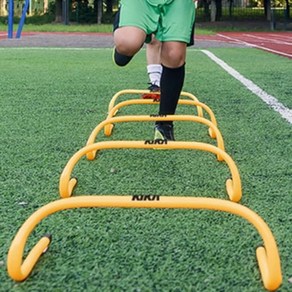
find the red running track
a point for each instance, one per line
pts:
(274, 42)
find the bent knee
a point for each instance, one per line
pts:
(173, 56)
(128, 40)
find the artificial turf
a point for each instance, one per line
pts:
(50, 101)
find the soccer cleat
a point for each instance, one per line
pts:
(120, 59)
(153, 88)
(163, 131)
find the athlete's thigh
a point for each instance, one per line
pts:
(177, 21)
(140, 14)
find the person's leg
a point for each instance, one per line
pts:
(173, 73)
(153, 51)
(173, 56)
(128, 41)
(133, 22)
(174, 32)
(154, 68)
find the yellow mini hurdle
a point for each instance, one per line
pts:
(267, 255)
(140, 92)
(213, 130)
(67, 184)
(117, 107)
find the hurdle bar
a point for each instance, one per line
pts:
(267, 255)
(67, 184)
(140, 92)
(213, 130)
(115, 109)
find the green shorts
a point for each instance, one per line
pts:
(169, 20)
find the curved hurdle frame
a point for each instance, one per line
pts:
(136, 91)
(267, 255)
(213, 130)
(67, 184)
(108, 128)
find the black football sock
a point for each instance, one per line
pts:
(171, 84)
(120, 59)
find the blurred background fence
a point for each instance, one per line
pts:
(102, 11)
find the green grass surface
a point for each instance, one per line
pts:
(50, 101)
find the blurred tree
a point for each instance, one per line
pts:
(288, 3)
(267, 7)
(218, 10)
(109, 6)
(99, 11)
(58, 17)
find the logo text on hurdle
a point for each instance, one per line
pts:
(155, 142)
(145, 198)
(157, 115)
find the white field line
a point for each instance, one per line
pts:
(270, 100)
(275, 41)
(256, 46)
